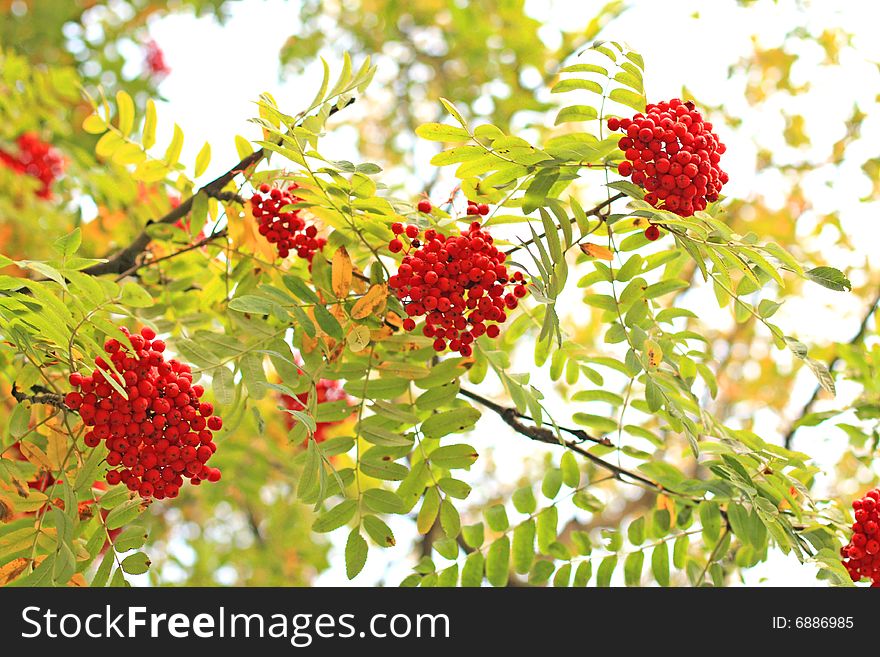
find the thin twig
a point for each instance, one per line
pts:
(807, 407)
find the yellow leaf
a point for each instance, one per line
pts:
(372, 301)
(654, 353)
(341, 273)
(245, 237)
(35, 455)
(377, 335)
(57, 449)
(203, 159)
(596, 251)
(94, 124)
(125, 112)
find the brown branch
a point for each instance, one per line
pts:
(542, 434)
(125, 259)
(595, 212)
(807, 407)
(41, 396)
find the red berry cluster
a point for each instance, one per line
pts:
(327, 390)
(38, 159)
(672, 154)
(862, 554)
(155, 60)
(161, 433)
(457, 283)
(286, 230)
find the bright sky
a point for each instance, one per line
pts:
(218, 71)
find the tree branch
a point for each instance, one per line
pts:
(41, 396)
(125, 259)
(541, 434)
(595, 212)
(807, 407)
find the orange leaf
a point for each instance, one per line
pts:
(11, 570)
(596, 251)
(372, 301)
(341, 273)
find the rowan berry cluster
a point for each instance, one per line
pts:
(862, 554)
(38, 159)
(460, 284)
(286, 230)
(672, 153)
(161, 434)
(155, 60)
(326, 390)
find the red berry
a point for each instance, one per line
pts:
(412, 231)
(424, 206)
(652, 233)
(395, 246)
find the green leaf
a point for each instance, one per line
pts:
(335, 517)
(383, 501)
(496, 517)
(442, 132)
(19, 420)
(328, 323)
(573, 84)
(571, 474)
(636, 531)
(632, 568)
(68, 244)
(454, 456)
(829, 277)
(629, 98)
(454, 421)
(524, 500)
(472, 572)
(551, 483)
(123, 514)
(524, 546)
(660, 563)
(356, 549)
(428, 512)
(498, 562)
(576, 113)
(606, 569)
(136, 564)
(547, 522)
(453, 110)
(450, 521)
(378, 531)
(582, 574)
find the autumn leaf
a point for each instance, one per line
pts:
(243, 235)
(11, 570)
(341, 273)
(596, 251)
(372, 301)
(654, 353)
(35, 455)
